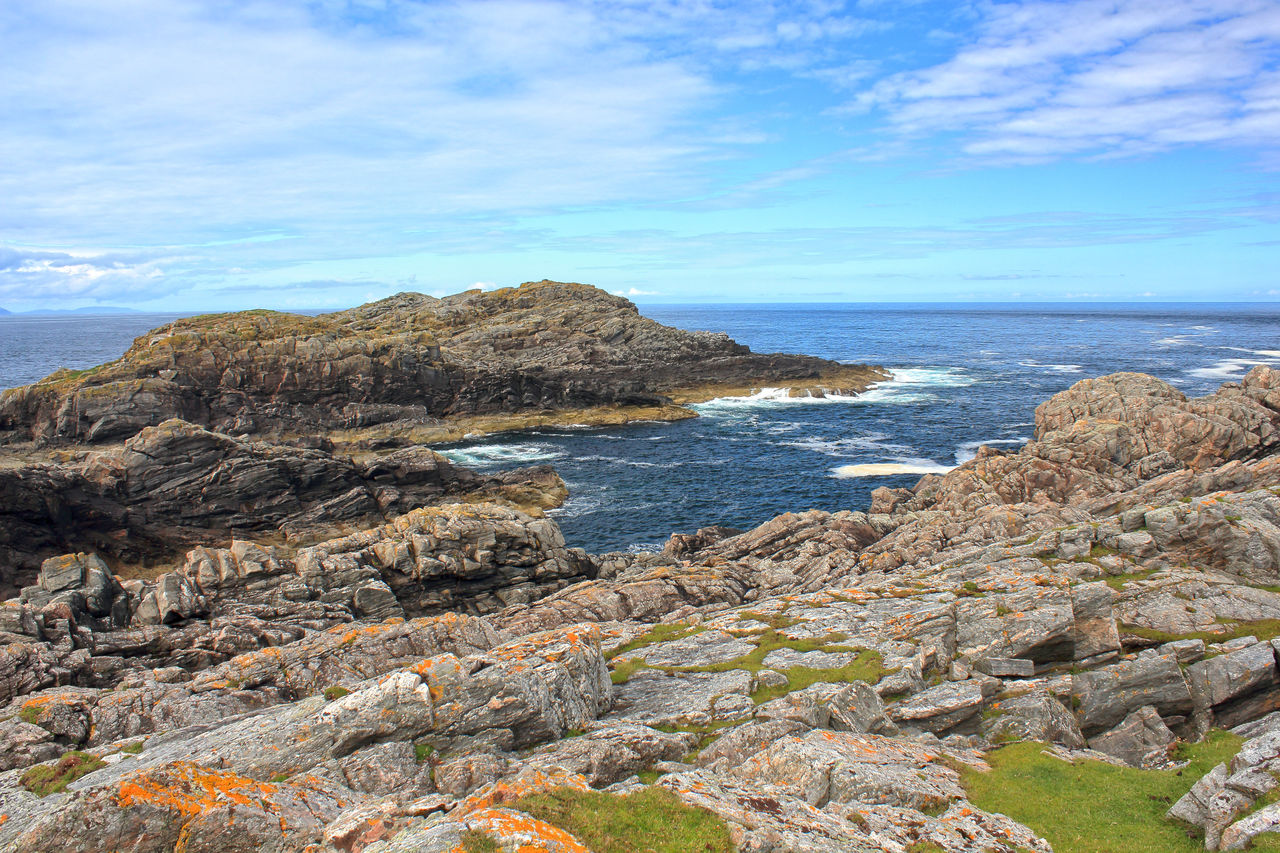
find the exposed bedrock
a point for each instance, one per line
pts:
(407, 361)
(176, 485)
(825, 681)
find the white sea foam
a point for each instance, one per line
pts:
(888, 469)
(766, 398)
(911, 384)
(524, 453)
(644, 547)
(1053, 368)
(908, 385)
(1233, 368)
(969, 449)
(842, 447)
(633, 463)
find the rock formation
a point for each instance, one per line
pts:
(409, 368)
(176, 485)
(820, 682)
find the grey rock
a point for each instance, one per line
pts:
(1032, 718)
(1141, 740)
(1109, 694)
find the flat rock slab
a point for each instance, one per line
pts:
(686, 698)
(704, 649)
(784, 659)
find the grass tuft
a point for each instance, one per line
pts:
(1263, 629)
(657, 634)
(653, 820)
(1095, 807)
(46, 779)
(478, 842)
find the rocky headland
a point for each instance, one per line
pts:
(410, 369)
(292, 429)
(452, 676)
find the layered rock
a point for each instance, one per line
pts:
(176, 485)
(410, 361)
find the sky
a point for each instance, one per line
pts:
(194, 155)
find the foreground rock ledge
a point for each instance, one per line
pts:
(821, 682)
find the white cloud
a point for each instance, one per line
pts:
(635, 291)
(78, 275)
(1098, 77)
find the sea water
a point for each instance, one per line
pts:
(962, 377)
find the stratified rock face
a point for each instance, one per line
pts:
(410, 359)
(177, 485)
(79, 625)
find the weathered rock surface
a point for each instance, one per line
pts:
(410, 360)
(814, 682)
(176, 485)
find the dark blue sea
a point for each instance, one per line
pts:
(963, 377)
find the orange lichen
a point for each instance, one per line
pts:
(523, 785)
(532, 835)
(192, 790)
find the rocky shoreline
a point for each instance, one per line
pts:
(410, 369)
(405, 656)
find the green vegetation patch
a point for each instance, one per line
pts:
(337, 691)
(1095, 807)
(657, 634)
(46, 779)
(1118, 582)
(1263, 629)
(653, 820)
(478, 842)
(708, 732)
(868, 666)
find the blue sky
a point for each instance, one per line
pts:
(186, 155)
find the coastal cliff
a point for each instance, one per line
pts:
(411, 369)
(458, 678)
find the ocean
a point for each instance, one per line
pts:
(962, 377)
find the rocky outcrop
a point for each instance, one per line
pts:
(177, 485)
(404, 363)
(81, 625)
(825, 681)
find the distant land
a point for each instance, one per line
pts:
(48, 312)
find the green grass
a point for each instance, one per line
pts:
(132, 748)
(753, 661)
(1095, 807)
(657, 634)
(650, 821)
(45, 779)
(478, 842)
(777, 620)
(1263, 629)
(337, 691)
(423, 751)
(708, 733)
(1117, 582)
(868, 666)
